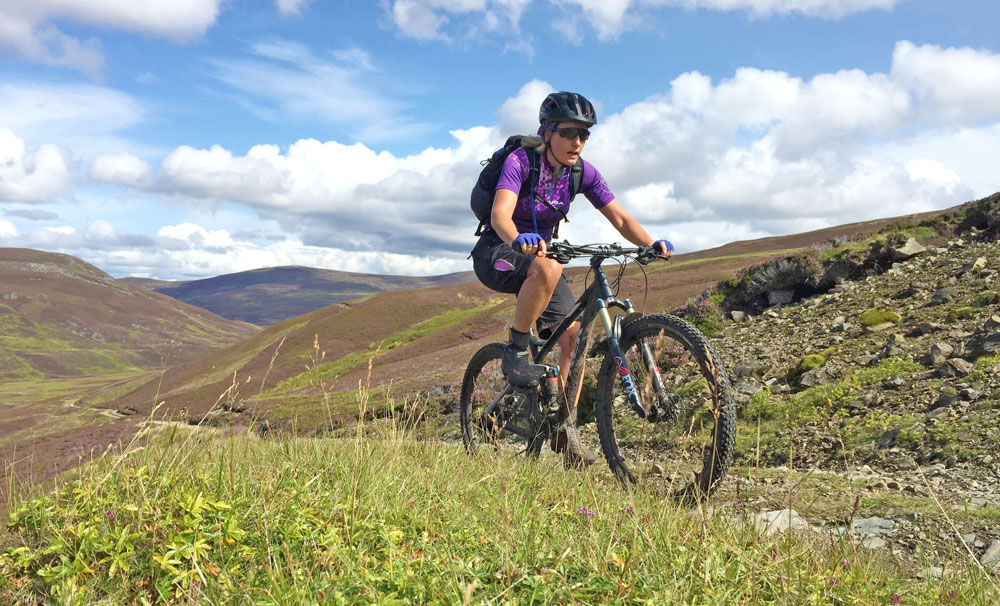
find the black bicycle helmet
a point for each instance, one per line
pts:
(563, 106)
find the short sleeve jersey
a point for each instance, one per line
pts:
(516, 169)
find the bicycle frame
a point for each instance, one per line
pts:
(596, 300)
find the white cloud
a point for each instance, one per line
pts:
(121, 169)
(26, 27)
(961, 82)
(831, 9)
(286, 82)
(932, 171)
(31, 175)
(519, 114)
(7, 229)
(290, 7)
(430, 19)
(81, 117)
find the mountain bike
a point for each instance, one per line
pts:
(663, 408)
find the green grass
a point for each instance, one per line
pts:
(691, 262)
(383, 518)
(319, 373)
(770, 416)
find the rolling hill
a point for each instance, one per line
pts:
(61, 317)
(270, 295)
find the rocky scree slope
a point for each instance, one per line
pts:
(889, 383)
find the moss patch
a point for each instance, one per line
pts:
(875, 317)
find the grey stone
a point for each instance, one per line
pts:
(942, 349)
(820, 376)
(955, 367)
(871, 526)
(780, 297)
(944, 295)
(737, 316)
(993, 323)
(926, 328)
(981, 345)
(779, 521)
(937, 414)
(992, 554)
(911, 249)
(873, 542)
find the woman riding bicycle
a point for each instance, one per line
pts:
(510, 256)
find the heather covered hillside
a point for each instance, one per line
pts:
(270, 295)
(62, 317)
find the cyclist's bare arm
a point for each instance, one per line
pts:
(502, 220)
(627, 225)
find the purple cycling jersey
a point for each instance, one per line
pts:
(516, 170)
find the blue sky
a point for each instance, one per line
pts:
(199, 137)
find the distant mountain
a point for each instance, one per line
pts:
(61, 317)
(270, 295)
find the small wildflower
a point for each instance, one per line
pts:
(833, 581)
(629, 510)
(111, 515)
(585, 511)
(895, 599)
(951, 594)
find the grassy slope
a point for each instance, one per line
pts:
(60, 317)
(273, 294)
(387, 518)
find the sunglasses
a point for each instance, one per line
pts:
(572, 132)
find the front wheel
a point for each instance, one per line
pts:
(494, 414)
(690, 445)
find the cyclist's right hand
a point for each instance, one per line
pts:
(530, 244)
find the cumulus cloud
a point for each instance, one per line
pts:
(7, 230)
(426, 19)
(27, 29)
(702, 163)
(191, 251)
(120, 169)
(31, 175)
(963, 83)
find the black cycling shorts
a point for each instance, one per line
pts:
(490, 250)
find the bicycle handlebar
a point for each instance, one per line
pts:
(564, 252)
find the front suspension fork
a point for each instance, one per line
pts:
(613, 329)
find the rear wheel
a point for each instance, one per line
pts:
(492, 413)
(689, 448)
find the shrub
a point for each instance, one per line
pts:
(704, 313)
(874, 317)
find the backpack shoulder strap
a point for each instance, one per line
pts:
(575, 179)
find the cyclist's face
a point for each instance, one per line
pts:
(566, 151)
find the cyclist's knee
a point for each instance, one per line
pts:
(549, 270)
(568, 339)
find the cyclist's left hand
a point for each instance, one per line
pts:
(665, 248)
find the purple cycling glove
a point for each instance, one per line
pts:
(522, 239)
(666, 244)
